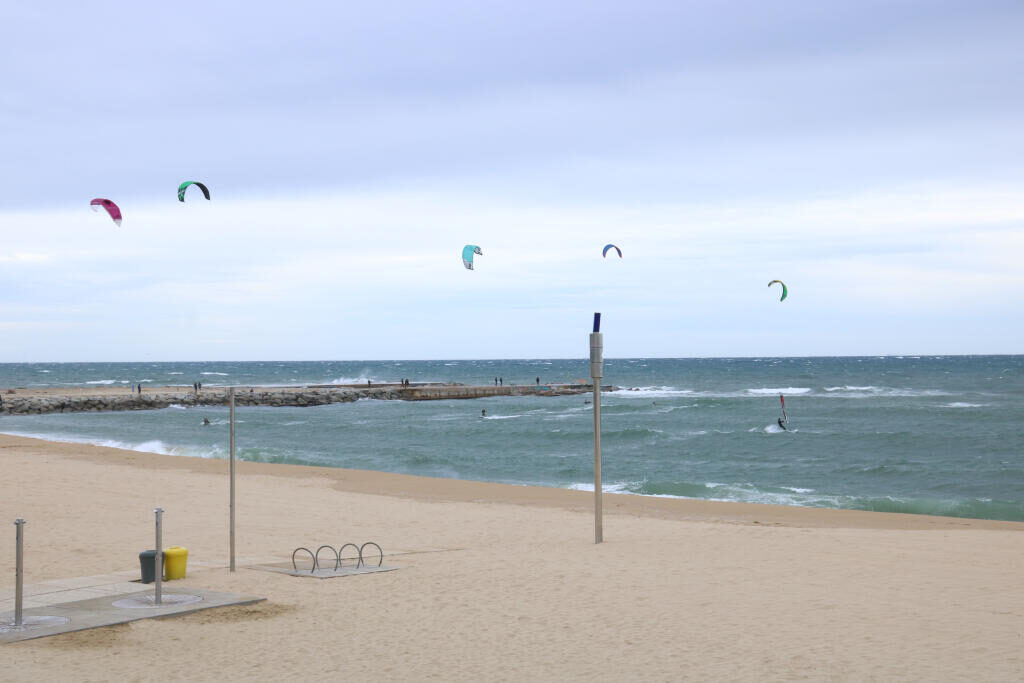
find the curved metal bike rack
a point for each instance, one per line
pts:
(380, 561)
(342, 550)
(316, 558)
(311, 555)
(338, 562)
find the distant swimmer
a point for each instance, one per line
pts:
(483, 413)
(783, 424)
(206, 420)
(586, 402)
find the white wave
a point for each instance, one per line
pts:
(44, 371)
(852, 388)
(362, 379)
(293, 423)
(652, 392)
(153, 446)
(102, 381)
(615, 487)
(501, 417)
(961, 404)
(178, 406)
(746, 493)
(780, 390)
(872, 391)
(175, 373)
(222, 374)
(773, 429)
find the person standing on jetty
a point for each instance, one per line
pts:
(495, 381)
(501, 381)
(538, 381)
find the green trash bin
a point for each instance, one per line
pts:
(147, 562)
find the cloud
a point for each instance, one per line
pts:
(867, 153)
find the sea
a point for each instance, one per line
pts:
(935, 435)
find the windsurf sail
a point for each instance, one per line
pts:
(782, 399)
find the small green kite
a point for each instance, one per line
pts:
(184, 186)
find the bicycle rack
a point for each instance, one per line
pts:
(360, 560)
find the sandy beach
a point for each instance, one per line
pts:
(504, 582)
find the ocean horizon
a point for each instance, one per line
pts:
(936, 435)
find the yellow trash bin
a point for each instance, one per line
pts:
(175, 559)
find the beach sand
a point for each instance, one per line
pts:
(505, 582)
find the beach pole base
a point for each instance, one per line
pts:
(149, 601)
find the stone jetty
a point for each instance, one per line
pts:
(35, 402)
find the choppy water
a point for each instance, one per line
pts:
(933, 435)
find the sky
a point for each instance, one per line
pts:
(867, 153)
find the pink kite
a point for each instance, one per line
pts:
(111, 207)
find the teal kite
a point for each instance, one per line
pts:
(785, 292)
(184, 186)
(467, 255)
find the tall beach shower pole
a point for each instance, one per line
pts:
(19, 571)
(158, 560)
(596, 373)
(231, 394)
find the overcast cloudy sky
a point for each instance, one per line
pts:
(867, 153)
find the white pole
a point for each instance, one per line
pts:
(596, 372)
(231, 393)
(158, 561)
(19, 571)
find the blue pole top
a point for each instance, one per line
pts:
(597, 322)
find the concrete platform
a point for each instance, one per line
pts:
(319, 573)
(100, 611)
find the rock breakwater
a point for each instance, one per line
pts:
(54, 401)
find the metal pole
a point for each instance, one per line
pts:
(158, 561)
(19, 571)
(231, 394)
(596, 372)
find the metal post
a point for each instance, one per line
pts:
(231, 506)
(158, 561)
(19, 571)
(596, 372)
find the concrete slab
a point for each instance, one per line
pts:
(99, 610)
(320, 573)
